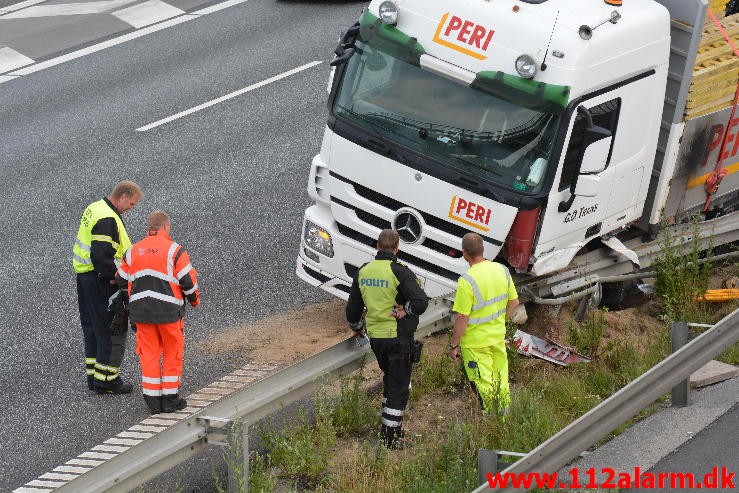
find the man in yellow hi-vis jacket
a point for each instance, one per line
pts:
(101, 241)
(485, 298)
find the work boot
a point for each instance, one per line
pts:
(173, 403)
(154, 403)
(90, 382)
(113, 387)
(388, 436)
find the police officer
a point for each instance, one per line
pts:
(101, 242)
(485, 298)
(393, 300)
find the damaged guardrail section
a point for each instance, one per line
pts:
(174, 445)
(556, 452)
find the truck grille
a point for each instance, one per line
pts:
(380, 223)
(412, 260)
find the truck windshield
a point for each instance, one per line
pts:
(475, 129)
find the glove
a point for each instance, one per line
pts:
(357, 326)
(118, 302)
(195, 303)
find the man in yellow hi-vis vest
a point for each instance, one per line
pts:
(101, 241)
(485, 298)
(394, 299)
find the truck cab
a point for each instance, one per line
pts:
(533, 123)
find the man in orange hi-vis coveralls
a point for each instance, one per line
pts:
(158, 276)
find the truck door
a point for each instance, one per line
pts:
(630, 112)
(570, 219)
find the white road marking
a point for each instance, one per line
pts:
(59, 476)
(47, 484)
(137, 433)
(110, 448)
(11, 59)
(149, 429)
(67, 9)
(147, 13)
(206, 397)
(84, 462)
(20, 5)
(196, 402)
(228, 96)
(216, 390)
(155, 421)
(97, 455)
(122, 441)
(228, 385)
(238, 378)
(217, 7)
(72, 469)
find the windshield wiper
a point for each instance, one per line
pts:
(474, 165)
(384, 146)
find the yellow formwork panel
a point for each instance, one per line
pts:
(711, 98)
(723, 66)
(712, 34)
(708, 108)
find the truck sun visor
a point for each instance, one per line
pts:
(535, 95)
(388, 39)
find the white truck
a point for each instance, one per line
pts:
(551, 128)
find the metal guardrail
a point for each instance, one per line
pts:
(556, 452)
(188, 437)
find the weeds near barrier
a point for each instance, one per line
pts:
(586, 337)
(681, 276)
(436, 373)
(354, 413)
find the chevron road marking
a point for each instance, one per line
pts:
(11, 59)
(147, 13)
(137, 433)
(18, 6)
(66, 9)
(8, 76)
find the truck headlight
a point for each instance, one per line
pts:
(389, 13)
(526, 66)
(318, 239)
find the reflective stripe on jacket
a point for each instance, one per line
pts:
(94, 212)
(159, 277)
(487, 292)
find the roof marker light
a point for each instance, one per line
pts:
(389, 13)
(526, 66)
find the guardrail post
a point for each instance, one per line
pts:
(489, 461)
(238, 463)
(681, 391)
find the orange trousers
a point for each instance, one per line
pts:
(160, 348)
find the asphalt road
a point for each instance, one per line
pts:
(708, 457)
(232, 177)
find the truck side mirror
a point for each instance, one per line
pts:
(587, 186)
(343, 57)
(593, 158)
(596, 145)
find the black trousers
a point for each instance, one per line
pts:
(393, 357)
(107, 350)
